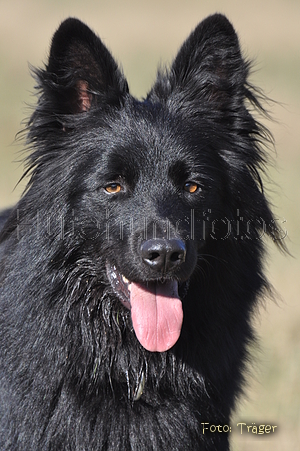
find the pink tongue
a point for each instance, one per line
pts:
(157, 315)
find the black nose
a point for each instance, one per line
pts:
(163, 255)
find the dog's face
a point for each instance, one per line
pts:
(148, 184)
(144, 180)
(145, 188)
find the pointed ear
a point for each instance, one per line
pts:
(81, 72)
(208, 70)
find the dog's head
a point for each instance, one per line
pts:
(151, 185)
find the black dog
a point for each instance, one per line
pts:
(133, 262)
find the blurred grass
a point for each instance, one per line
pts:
(142, 34)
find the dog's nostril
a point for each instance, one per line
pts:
(175, 257)
(153, 256)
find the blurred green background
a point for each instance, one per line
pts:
(141, 35)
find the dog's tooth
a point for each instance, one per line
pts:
(125, 280)
(129, 287)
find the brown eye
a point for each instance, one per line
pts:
(190, 187)
(113, 188)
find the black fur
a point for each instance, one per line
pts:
(72, 370)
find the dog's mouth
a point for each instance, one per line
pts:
(155, 306)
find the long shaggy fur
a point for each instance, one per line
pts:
(73, 374)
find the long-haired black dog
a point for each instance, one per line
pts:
(132, 264)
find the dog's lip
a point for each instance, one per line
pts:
(155, 307)
(122, 286)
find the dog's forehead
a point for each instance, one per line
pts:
(152, 128)
(147, 146)
(169, 136)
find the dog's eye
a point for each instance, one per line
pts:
(113, 188)
(191, 187)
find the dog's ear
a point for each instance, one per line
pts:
(80, 72)
(208, 70)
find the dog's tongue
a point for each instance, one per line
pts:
(157, 315)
